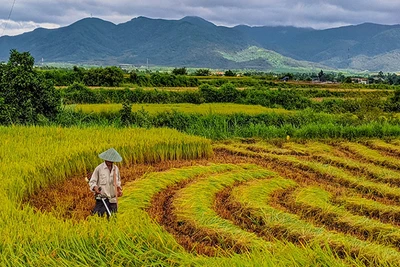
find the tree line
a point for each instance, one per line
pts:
(28, 96)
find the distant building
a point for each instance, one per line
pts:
(219, 73)
(359, 80)
(126, 66)
(285, 79)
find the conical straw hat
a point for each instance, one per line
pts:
(111, 155)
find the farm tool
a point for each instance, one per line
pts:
(103, 198)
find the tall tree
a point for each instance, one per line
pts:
(25, 95)
(321, 76)
(179, 71)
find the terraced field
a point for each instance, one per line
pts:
(254, 203)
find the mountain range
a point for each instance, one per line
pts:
(195, 42)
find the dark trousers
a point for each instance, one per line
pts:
(100, 209)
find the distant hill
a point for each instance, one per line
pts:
(195, 42)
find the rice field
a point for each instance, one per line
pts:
(207, 108)
(188, 202)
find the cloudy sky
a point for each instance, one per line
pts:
(30, 14)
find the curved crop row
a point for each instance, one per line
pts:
(329, 154)
(313, 203)
(202, 183)
(250, 207)
(327, 173)
(370, 208)
(371, 155)
(283, 207)
(391, 148)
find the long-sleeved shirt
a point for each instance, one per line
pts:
(104, 178)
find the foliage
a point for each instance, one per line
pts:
(179, 71)
(78, 93)
(274, 124)
(358, 102)
(25, 95)
(230, 73)
(126, 113)
(228, 93)
(209, 93)
(202, 72)
(393, 103)
(162, 79)
(109, 76)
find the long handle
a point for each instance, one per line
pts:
(105, 205)
(115, 187)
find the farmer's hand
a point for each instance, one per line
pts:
(96, 190)
(119, 192)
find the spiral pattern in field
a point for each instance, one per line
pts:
(339, 198)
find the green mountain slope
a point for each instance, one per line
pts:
(273, 59)
(195, 42)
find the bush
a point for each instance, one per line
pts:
(209, 93)
(79, 93)
(228, 93)
(126, 113)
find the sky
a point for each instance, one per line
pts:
(27, 15)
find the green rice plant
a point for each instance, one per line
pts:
(371, 155)
(33, 152)
(310, 147)
(328, 154)
(206, 108)
(36, 157)
(261, 146)
(382, 145)
(256, 197)
(378, 173)
(193, 203)
(140, 193)
(329, 172)
(383, 212)
(314, 203)
(138, 226)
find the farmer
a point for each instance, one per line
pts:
(106, 183)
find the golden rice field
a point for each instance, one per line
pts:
(33, 158)
(217, 108)
(246, 203)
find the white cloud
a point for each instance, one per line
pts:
(18, 27)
